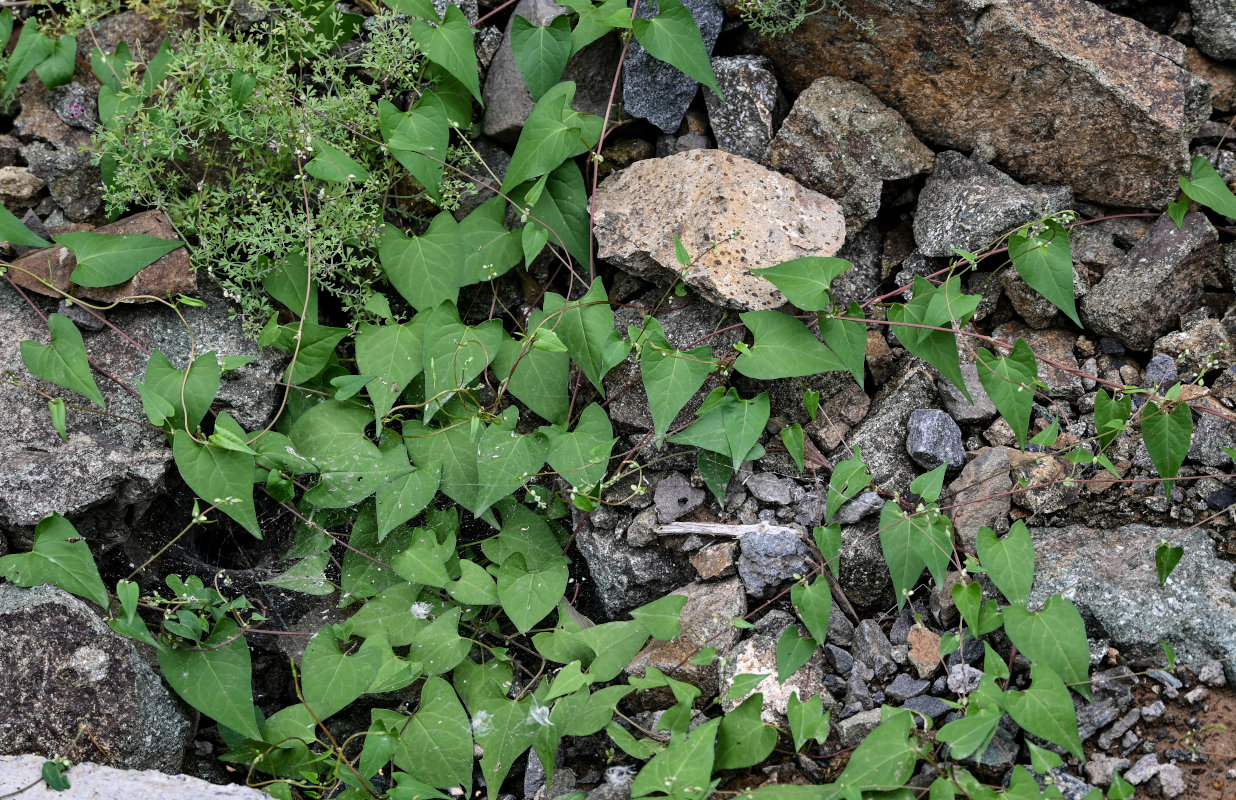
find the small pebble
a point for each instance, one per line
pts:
(1154, 710)
(1211, 674)
(1195, 696)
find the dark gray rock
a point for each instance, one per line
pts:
(991, 765)
(904, 688)
(72, 178)
(840, 630)
(933, 438)
(978, 409)
(857, 695)
(653, 89)
(675, 496)
(853, 729)
(968, 204)
(840, 660)
(627, 576)
(77, 104)
(872, 648)
(1214, 28)
(63, 666)
(840, 140)
(928, 706)
(744, 123)
(1121, 599)
(771, 557)
(864, 574)
(1163, 277)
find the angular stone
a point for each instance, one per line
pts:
(841, 141)
(872, 648)
(1086, 98)
(1110, 576)
(745, 122)
(924, 652)
(171, 273)
(968, 204)
(1200, 348)
(770, 557)
(90, 780)
(38, 121)
(705, 196)
(859, 508)
(768, 488)
(758, 655)
(978, 408)
(1044, 476)
(853, 729)
(653, 89)
(838, 414)
(705, 622)
(19, 188)
(715, 560)
(1214, 28)
(933, 438)
(675, 496)
(1034, 308)
(66, 671)
(1163, 277)
(1099, 768)
(507, 99)
(980, 496)
(627, 576)
(904, 688)
(72, 178)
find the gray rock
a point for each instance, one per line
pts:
(1099, 768)
(1069, 785)
(88, 781)
(1035, 309)
(980, 496)
(963, 679)
(864, 574)
(840, 660)
(63, 666)
(1172, 780)
(1154, 710)
(968, 204)
(507, 99)
(1211, 674)
(77, 104)
(1121, 599)
(841, 141)
(993, 763)
(758, 655)
(904, 688)
(744, 123)
(1214, 28)
(1163, 277)
(928, 706)
(872, 648)
(861, 507)
(978, 409)
(110, 471)
(1146, 768)
(853, 729)
(771, 557)
(768, 488)
(627, 576)
(840, 630)
(864, 248)
(655, 90)
(675, 496)
(71, 177)
(933, 438)
(857, 695)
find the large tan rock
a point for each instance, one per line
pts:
(705, 196)
(1058, 91)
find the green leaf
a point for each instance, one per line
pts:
(189, 395)
(968, 597)
(291, 283)
(527, 596)
(792, 652)
(426, 269)
(450, 46)
(1054, 638)
(1166, 557)
(1045, 709)
(938, 307)
(1045, 262)
(615, 645)
(333, 165)
(594, 21)
(330, 680)
(32, 49)
(848, 339)
(828, 539)
(403, 498)
(1110, 416)
(814, 604)
(1042, 759)
(1120, 788)
(680, 252)
(64, 361)
(933, 540)
(1167, 438)
(582, 456)
(1009, 562)
(671, 377)
(674, 37)
(60, 557)
(535, 376)
(350, 466)
(424, 561)
(1178, 208)
(660, 617)
(490, 250)
(217, 679)
(450, 449)
(541, 53)
(418, 139)
(1009, 382)
(218, 476)
(56, 409)
(743, 739)
(108, 259)
(728, 425)
(14, 230)
(808, 720)
(848, 479)
(435, 745)
(586, 327)
(506, 460)
(439, 647)
(1208, 188)
(792, 438)
(784, 348)
(505, 730)
(805, 281)
(743, 685)
(553, 133)
(629, 744)
(684, 768)
(716, 471)
(905, 565)
(53, 775)
(393, 353)
(454, 355)
(886, 758)
(971, 734)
